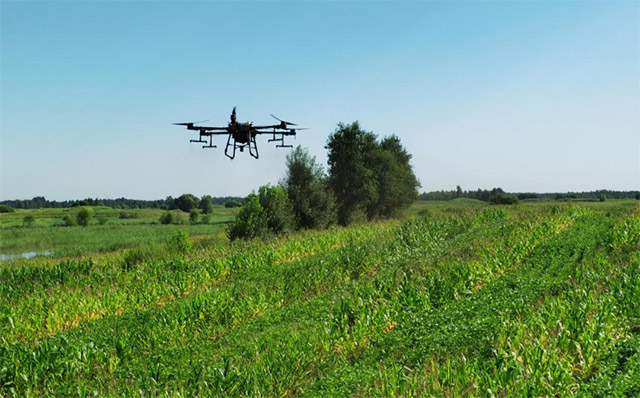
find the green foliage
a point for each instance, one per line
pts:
(28, 220)
(194, 215)
(352, 180)
(232, 203)
(127, 215)
(102, 220)
(370, 179)
(267, 213)
(166, 218)
(186, 202)
(6, 209)
(206, 204)
(84, 215)
(311, 198)
(509, 301)
(68, 221)
(179, 243)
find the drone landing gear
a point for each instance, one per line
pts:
(280, 140)
(210, 143)
(253, 147)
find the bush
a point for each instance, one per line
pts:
(28, 220)
(267, 213)
(503, 199)
(166, 218)
(68, 221)
(102, 220)
(179, 243)
(6, 209)
(232, 203)
(127, 215)
(311, 198)
(135, 257)
(194, 215)
(84, 216)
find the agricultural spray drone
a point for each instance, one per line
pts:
(242, 135)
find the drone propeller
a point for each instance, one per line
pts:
(282, 121)
(190, 123)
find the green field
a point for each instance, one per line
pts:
(109, 230)
(455, 299)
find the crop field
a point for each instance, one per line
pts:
(454, 299)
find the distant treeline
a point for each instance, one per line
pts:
(487, 195)
(169, 203)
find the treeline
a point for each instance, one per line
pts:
(495, 193)
(169, 203)
(367, 179)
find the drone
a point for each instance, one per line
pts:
(242, 135)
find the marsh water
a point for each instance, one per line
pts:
(6, 257)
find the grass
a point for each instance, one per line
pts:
(121, 229)
(457, 299)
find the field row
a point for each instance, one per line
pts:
(519, 301)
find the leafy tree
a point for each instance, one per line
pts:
(206, 204)
(6, 209)
(84, 216)
(370, 179)
(277, 208)
(311, 198)
(186, 202)
(352, 181)
(396, 183)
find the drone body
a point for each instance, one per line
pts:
(242, 135)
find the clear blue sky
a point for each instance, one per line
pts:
(529, 96)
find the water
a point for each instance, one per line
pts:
(5, 257)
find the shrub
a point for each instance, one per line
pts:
(102, 220)
(503, 199)
(166, 218)
(68, 221)
(194, 215)
(179, 243)
(127, 215)
(84, 216)
(267, 213)
(6, 209)
(28, 220)
(232, 203)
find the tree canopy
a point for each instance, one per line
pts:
(311, 198)
(369, 178)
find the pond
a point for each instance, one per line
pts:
(6, 257)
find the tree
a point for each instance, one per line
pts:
(370, 179)
(307, 187)
(206, 204)
(397, 185)
(186, 202)
(353, 183)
